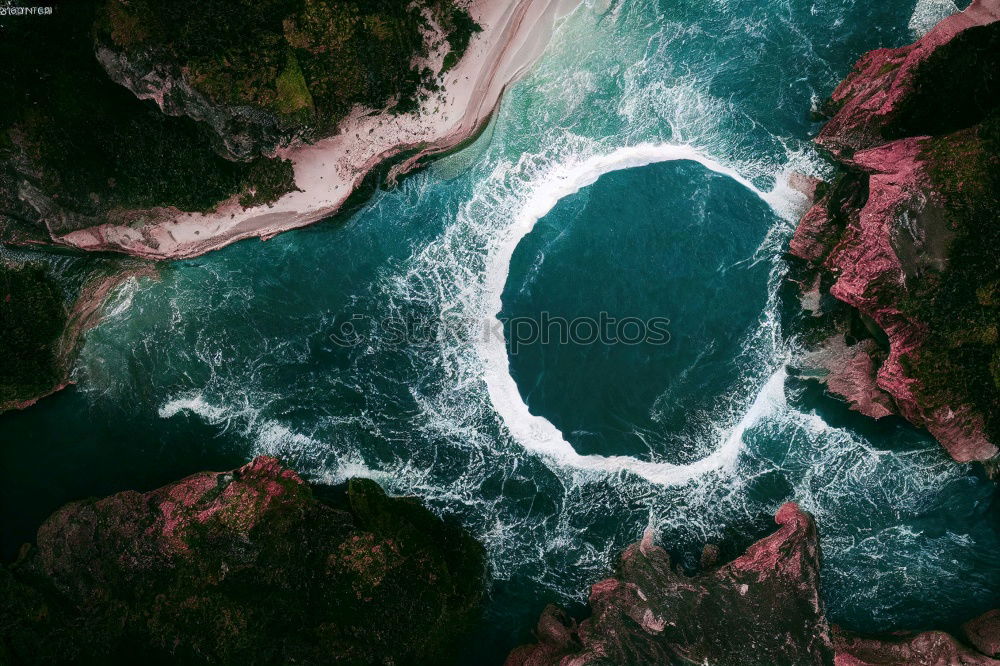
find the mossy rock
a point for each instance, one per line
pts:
(252, 566)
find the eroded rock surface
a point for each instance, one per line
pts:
(251, 566)
(928, 648)
(762, 608)
(908, 234)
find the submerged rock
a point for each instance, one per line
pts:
(908, 235)
(251, 566)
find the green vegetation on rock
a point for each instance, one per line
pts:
(243, 77)
(252, 566)
(308, 61)
(90, 145)
(961, 305)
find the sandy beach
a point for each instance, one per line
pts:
(514, 34)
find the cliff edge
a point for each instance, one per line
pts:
(900, 255)
(166, 130)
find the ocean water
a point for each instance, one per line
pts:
(640, 171)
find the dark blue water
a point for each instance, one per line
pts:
(668, 246)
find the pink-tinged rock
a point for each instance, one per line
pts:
(242, 567)
(813, 234)
(850, 374)
(984, 632)
(871, 96)
(930, 648)
(763, 607)
(871, 277)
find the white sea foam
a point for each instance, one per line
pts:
(448, 423)
(269, 436)
(195, 403)
(536, 433)
(927, 13)
(121, 299)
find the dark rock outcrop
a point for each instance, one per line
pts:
(264, 74)
(928, 648)
(984, 632)
(33, 319)
(42, 321)
(151, 110)
(252, 566)
(762, 608)
(907, 237)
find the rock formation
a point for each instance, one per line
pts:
(261, 76)
(762, 609)
(42, 321)
(928, 648)
(908, 236)
(251, 566)
(165, 130)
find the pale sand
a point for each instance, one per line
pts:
(514, 34)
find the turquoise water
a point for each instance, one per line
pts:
(672, 241)
(638, 170)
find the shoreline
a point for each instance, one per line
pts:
(87, 310)
(328, 172)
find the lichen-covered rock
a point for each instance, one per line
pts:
(252, 566)
(762, 608)
(908, 235)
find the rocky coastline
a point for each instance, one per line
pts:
(763, 608)
(42, 322)
(250, 566)
(131, 139)
(897, 261)
(896, 267)
(284, 163)
(257, 566)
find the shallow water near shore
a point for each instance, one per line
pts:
(638, 170)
